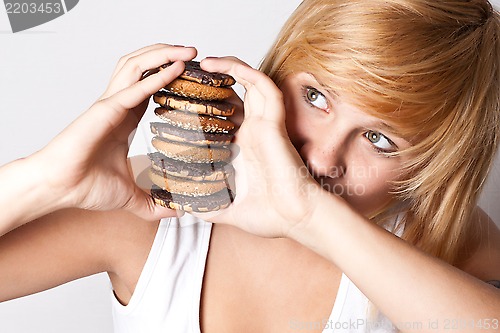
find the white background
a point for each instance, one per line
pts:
(52, 73)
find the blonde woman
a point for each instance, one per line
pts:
(362, 155)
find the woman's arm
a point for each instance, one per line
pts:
(406, 284)
(25, 194)
(73, 243)
(86, 166)
(481, 255)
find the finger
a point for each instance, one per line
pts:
(237, 117)
(242, 72)
(143, 205)
(140, 51)
(107, 114)
(223, 65)
(134, 67)
(269, 99)
(136, 93)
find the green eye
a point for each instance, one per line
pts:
(374, 137)
(380, 141)
(312, 95)
(315, 98)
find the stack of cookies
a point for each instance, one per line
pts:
(190, 168)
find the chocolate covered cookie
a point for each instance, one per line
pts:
(209, 203)
(185, 186)
(197, 90)
(191, 153)
(193, 122)
(193, 72)
(193, 171)
(198, 106)
(198, 138)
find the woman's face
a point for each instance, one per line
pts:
(343, 147)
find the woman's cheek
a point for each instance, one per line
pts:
(368, 188)
(296, 127)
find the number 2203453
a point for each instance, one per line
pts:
(33, 8)
(481, 324)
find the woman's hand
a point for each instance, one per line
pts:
(273, 186)
(86, 165)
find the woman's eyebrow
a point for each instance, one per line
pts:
(331, 92)
(323, 86)
(395, 135)
(386, 127)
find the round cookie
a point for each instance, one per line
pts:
(208, 203)
(190, 153)
(185, 186)
(193, 122)
(193, 72)
(173, 101)
(197, 90)
(177, 134)
(196, 172)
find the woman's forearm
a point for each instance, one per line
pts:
(405, 284)
(25, 193)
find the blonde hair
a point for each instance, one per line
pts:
(428, 67)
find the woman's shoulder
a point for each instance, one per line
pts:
(481, 255)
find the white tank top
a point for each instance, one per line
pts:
(168, 292)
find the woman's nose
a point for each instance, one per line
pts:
(324, 159)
